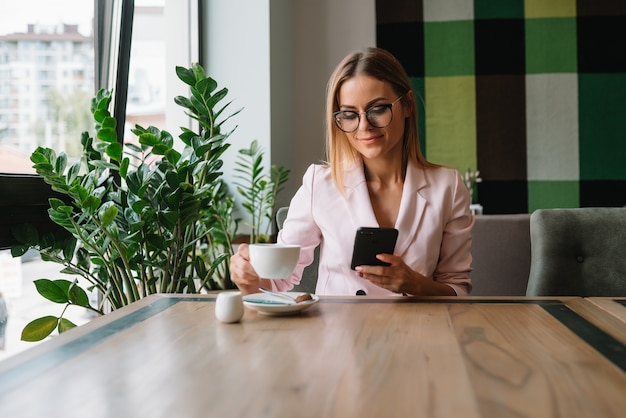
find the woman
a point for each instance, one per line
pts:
(375, 176)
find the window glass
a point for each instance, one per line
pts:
(146, 101)
(46, 78)
(46, 84)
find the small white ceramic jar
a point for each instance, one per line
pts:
(229, 307)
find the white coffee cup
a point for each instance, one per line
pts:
(274, 261)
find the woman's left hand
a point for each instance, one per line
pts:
(394, 277)
(400, 278)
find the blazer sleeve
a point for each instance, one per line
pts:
(455, 257)
(300, 228)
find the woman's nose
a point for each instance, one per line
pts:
(364, 122)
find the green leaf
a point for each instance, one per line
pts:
(48, 241)
(65, 325)
(200, 267)
(72, 173)
(198, 72)
(104, 164)
(200, 106)
(183, 102)
(109, 122)
(43, 168)
(160, 149)
(148, 139)
(114, 150)
(172, 179)
(98, 261)
(55, 203)
(39, 329)
(69, 248)
(19, 250)
(82, 258)
(91, 203)
(172, 156)
(51, 290)
(63, 285)
(79, 192)
(38, 157)
(107, 135)
(108, 215)
(100, 114)
(71, 270)
(134, 147)
(168, 218)
(60, 163)
(206, 86)
(103, 97)
(156, 242)
(26, 234)
(186, 75)
(217, 97)
(78, 296)
(124, 167)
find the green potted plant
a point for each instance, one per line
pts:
(259, 190)
(141, 218)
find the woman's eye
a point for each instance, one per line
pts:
(349, 115)
(377, 110)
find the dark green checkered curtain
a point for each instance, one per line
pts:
(531, 93)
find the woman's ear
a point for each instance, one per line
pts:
(409, 104)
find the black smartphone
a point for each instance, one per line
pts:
(371, 241)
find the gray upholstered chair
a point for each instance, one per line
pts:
(309, 275)
(500, 255)
(578, 252)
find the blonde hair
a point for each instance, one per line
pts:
(380, 64)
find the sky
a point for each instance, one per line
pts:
(16, 15)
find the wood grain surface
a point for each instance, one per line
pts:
(168, 356)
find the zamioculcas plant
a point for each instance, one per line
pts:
(142, 218)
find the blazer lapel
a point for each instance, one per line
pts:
(358, 204)
(412, 208)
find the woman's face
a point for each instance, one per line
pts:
(361, 93)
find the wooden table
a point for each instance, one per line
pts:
(608, 313)
(167, 356)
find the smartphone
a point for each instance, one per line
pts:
(371, 241)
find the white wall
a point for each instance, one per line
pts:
(177, 13)
(275, 56)
(326, 31)
(236, 55)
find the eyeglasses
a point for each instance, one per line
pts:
(378, 116)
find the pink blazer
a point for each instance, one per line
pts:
(434, 224)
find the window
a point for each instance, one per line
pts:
(47, 79)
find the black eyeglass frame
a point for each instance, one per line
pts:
(367, 115)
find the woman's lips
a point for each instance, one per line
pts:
(368, 140)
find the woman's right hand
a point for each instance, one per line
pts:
(242, 273)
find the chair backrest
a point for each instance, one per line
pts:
(578, 252)
(309, 275)
(500, 255)
(281, 215)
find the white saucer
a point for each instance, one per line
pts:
(268, 304)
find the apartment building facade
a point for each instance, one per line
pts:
(46, 82)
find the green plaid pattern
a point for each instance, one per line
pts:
(532, 93)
